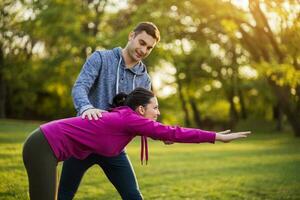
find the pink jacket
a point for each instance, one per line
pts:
(109, 135)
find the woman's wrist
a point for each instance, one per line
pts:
(219, 137)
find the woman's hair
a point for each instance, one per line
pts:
(138, 97)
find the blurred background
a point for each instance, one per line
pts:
(220, 63)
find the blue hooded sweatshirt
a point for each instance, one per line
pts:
(104, 75)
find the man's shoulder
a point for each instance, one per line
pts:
(107, 52)
(104, 51)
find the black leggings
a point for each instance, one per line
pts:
(40, 163)
(118, 170)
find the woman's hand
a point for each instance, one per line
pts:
(227, 136)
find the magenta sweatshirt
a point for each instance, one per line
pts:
(108, 136)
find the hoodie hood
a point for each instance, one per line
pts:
(138, 70)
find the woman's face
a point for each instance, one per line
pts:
(151, 110)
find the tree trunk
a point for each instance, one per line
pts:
(183, 102)
(196, 112)
(2, 86)
(294, 119)
(242, 103)
(2, 96)
(277, 115)
(289, 107)
(232, 110)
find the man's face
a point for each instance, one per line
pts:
(140, 45)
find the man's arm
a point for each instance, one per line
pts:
(85, 80)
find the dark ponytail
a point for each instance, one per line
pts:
(119, 100)
(138, 97)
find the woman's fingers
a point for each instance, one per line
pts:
(225, 132)
(243, 134)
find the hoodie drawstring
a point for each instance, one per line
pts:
(133, 82)
(144, 142)
(144, 150)
(118, 75)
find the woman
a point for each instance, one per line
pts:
(134, 114)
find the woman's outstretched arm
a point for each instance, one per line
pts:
(139, 125)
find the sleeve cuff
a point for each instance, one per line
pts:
(84, 108)
(208, 136)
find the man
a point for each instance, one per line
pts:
(105, 74)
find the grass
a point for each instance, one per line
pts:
(264, 166)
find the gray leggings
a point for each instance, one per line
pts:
(40, 163)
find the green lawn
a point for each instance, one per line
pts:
(264, 166)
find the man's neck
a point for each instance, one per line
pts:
(129, 63)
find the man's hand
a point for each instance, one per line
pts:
(227, 136)
(92, 113)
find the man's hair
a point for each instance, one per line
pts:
(149, 28)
